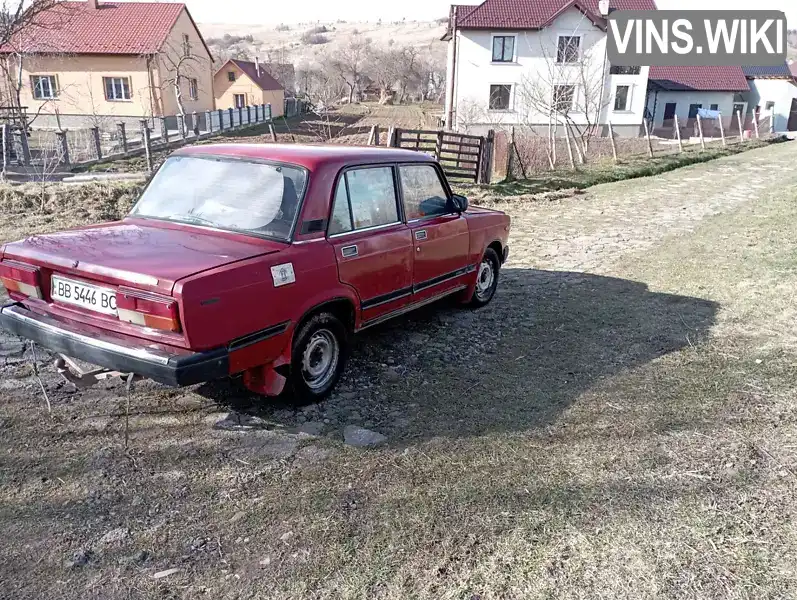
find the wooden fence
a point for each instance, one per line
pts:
(465, 157)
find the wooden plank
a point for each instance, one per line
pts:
(475, 163)
(461, 144)
(457, 153)
(464, 136)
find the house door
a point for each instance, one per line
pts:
(792, 126)
(669, 111)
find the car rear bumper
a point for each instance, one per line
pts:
(171, 366)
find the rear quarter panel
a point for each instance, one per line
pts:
(227, 303)
(486, 226)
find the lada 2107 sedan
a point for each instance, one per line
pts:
(254, 260)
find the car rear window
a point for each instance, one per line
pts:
(253, 197)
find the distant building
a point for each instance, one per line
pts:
(682, 91)
(107, 58)
(241, 83)
(773, 90)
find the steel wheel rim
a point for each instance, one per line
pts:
(320, 359)
(485, 279)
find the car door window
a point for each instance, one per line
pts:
(424, 194)
(365, 198)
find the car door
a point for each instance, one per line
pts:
(440, 235)
(373, 247)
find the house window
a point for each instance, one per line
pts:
(504, 48)
(622, 95)
(568, 49)
(44, 87)
(563, 96)
(770, 105)
(616, 70)
(193, 89)
(116, 88)
(500, 96)
(738, 108)
(230, 75)
(186, 45)
(714, 107)
(240, 100)
(693, 108)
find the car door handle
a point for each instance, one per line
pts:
(420, 235)
(349, 251)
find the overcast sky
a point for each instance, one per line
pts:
(247, 11)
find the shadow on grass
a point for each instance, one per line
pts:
(512, 366)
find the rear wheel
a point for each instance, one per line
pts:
(318, 357)
(486, 279)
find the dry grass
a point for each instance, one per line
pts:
(619, 424)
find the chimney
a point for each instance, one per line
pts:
(257, 65)
(603, 7)
(93, 4)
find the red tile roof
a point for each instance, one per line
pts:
(262, 78)
(536, 14)
(704, 79)
(111, 28)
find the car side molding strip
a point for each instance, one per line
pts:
(258, 336)
(410, 307)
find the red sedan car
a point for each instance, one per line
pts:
(258, 260)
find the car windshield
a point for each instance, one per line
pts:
(253, 197)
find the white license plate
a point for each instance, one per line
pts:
(82, 294)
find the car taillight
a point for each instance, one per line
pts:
(148, 310)
(21, 278)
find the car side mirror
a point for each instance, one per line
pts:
(460, 203)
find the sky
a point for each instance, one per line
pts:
(271, 12)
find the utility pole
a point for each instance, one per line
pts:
(452, 84)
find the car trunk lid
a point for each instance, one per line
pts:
(141, 253)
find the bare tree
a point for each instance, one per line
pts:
(384, 67)
(182, 67)
(568, 91)
(349, 63)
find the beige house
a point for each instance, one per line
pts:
(95, 59)
(241, 83)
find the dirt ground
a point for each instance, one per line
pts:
(621, 422)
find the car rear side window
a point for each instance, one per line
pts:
(364, 198)
(424, 194)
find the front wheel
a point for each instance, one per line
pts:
(318, 357)
(486, 279)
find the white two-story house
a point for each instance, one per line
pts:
(540, 64)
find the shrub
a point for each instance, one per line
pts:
(314, 39)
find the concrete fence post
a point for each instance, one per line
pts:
(195, 123)
(147, 141)
(164, 131)
(611, 139)
(181, 126)
(209, 121)
(6, 146)
(95, 136)
(647, 135)
(772, 120)
(120, 131)
(232, 121)
(722, 132)
(63, 146)
(23, 148)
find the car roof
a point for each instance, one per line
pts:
(308, 155)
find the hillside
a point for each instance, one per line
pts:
(285, 43)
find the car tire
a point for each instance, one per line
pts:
(486, 279)
(318, 357)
